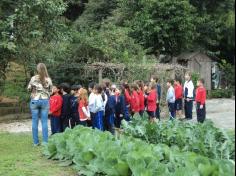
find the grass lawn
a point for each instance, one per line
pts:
(19, 158)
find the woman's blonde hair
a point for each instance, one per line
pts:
(42, 72)
(83, 94)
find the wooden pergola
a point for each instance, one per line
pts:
(120, 71)
(116, 69)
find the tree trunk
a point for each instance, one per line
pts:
(100, 76)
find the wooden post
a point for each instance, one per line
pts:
(100, 75)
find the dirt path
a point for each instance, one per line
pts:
(220, 111)
(17, 127)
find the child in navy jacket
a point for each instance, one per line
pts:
(119, 107)
(110, 111)
(74, 104)
(106, 83)
(66, 110)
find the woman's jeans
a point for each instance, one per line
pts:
(39, 109)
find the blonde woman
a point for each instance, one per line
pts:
(40, 87)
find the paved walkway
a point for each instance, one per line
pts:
(222, 112)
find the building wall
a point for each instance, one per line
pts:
(202, 64)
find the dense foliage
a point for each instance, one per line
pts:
(98, 153)
(221, 93)
(28, 29)
(215, 19)
(85, 31)
(165, 26)
(204, 139)
(229, 74)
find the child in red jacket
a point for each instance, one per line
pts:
(83, 109)
(55, 110)
(151, 102)
(201, 101)
(178, 98)
(135, 103)
(141, 98)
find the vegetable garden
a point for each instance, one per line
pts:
(72, 36)
(144, 149)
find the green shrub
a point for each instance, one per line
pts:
(195, 77)
(220, 93)
(228, 73)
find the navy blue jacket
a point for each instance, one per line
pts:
(159, 92)
(110, 106)
(66, 110)
(74, 104)
(120, 105)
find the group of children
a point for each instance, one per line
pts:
(104, 106)
(177, 93)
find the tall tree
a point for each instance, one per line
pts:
(31, 26)
(96, 11)
(75, 9)
(165, 26)
(216, 27)
(7, 45)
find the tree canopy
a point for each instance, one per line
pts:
(119, 31)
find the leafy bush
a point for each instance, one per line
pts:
(220, 93)
(98, 153)
(15, 83)
(228, 74)
(195, 77)
(204, 139)
(109, 44)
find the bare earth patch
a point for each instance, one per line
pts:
(19, 126)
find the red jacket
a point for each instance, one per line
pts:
(151, 101)
(127, 97)
(178, 92)
(82, 103)
(56, 105)
(141, 100)
(201, 95)
(135, 105)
